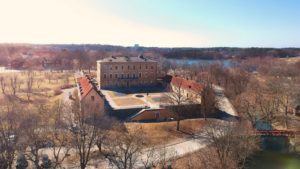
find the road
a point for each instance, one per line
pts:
(171, 151)
(223, 102)
(66, 95)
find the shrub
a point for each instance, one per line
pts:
(57, 92)
(21, 162)
(66, 86)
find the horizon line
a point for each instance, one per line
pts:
(145, 46)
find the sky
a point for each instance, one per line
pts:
(160, 23)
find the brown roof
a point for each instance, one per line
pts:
(84, 86)
(140, 58)
(186, 84)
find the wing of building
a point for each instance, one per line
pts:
(126, 71)
(91, 98)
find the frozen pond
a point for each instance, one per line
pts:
(225, 62)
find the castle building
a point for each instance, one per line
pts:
(126, 72)
(91, 99)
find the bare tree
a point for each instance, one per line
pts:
(58, 134)
(14, 84)
(231, 143)
(39, 82)
(3, 84)
(84, 133)
(125, 148)
(150, 159)
(176, 100)
(165, 155)
(49, 76)
(29, 85)
(35, 133)
(9, 135)
(208, 100)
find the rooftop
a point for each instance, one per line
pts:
(86, 84)
(140, 58)
(184, 83)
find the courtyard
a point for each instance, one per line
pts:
(125, 100)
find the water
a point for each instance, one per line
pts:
(225, 62)
(275, 152)
(275, 155)
(274, 160)
(5, 70)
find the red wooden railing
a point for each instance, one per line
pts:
(277, 133)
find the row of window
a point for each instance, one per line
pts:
(128, 67)
(123, 75)
(127, 83)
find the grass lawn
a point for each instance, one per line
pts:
(46, 87)
(165, 132)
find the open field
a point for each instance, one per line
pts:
(165, 132)
(46, 86)
(292, 59)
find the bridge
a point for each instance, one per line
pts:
(287, 133)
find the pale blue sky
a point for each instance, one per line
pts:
(167, 23)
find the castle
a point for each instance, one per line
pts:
(126, 72)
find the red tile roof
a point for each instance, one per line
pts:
(186, 84)
(84, 86)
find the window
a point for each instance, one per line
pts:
(133, 67)
(146, 67)
(110, 67)
(105, 67)
(128, 67)
(140, 67)
(122, 76)
(116, 75)
(110, 76)
(122, 67)
(93, 98)
(104, 76)
(140, 74)
(133, 75)
(157, 115)
(128, 75)
(116, 67)
(151, 67)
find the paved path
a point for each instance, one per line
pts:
(223, 102)
(171, 151)
(66, 94)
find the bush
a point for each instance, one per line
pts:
(46, 162)
(67, 86)
(57, 92)
(21, 162)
